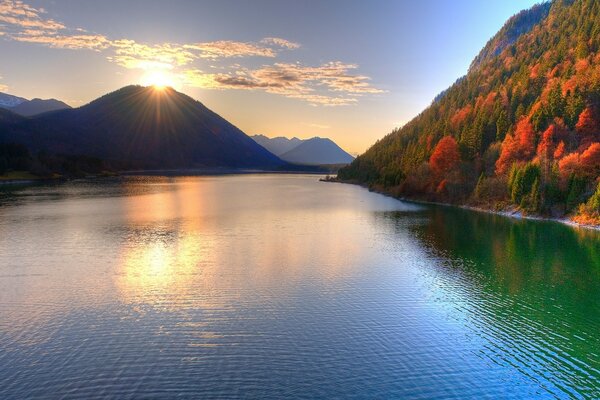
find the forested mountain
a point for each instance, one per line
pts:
(139, 127)
(520, 130)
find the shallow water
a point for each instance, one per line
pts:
(271, 286)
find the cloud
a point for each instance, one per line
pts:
(319, 126)
(17, 14)
(73, 42)
(331, 84)
(229, 48)
(130, 54)
(280, 42)
(3, 88)
(327, 84)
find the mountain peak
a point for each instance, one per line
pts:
(142, 127)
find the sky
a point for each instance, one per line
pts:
(348, 70)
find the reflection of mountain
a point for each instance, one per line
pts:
(523, 286)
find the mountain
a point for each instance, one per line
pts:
(29, 108)
(8, 117)
(8, 100)
(520, 131)
(141, 127)
(277, 145)
(514, 28)
(317, 151)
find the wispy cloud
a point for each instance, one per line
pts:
(230, 48)
(130, 54)
(73, 42)
(18, 14)
(328, 84)
(286, 44)
(319, 126)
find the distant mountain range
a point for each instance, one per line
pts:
(138, 128)
(314, 151)
(28, 108)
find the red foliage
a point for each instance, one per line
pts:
(590, 158)
(517, 147)
(546, 146)
(525, 135)
(587, 123)
(442, 186)
(584, 164)
(568, 165)
(588, 127)
(445, 156)
(461, 115)
(560, 150)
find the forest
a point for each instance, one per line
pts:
(520, 131)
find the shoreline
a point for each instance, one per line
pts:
(505, 213)
(4, 181)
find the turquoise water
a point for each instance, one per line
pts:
(270, 286)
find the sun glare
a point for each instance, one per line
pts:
(159, 79)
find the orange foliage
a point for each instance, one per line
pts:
(442, 186)
(568, 165)
(517, 147)
(581, 65)
(445, 156)
(584, 164)
(587, 123)
(525, 135)
(588, 126)
(569, 85)
(460, 115)
(546, 146)
(535, 71)
(590, 158)
(560, 150)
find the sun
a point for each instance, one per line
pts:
(159, 79)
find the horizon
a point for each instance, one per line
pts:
(340, 89)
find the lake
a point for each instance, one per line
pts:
(272, 286)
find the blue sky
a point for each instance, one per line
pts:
(349, 70)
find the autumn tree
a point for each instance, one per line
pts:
(587, 123)
(445, 156)
(517, 147)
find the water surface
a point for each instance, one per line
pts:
(270, 286)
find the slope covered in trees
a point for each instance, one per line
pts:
(520, 130)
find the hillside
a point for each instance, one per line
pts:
(8, 100)
(520, 130)
(138, 127)
(38, 106)
(316, 151)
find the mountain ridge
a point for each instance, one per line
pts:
(521, 131)
(142, 128)
(312, 151)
